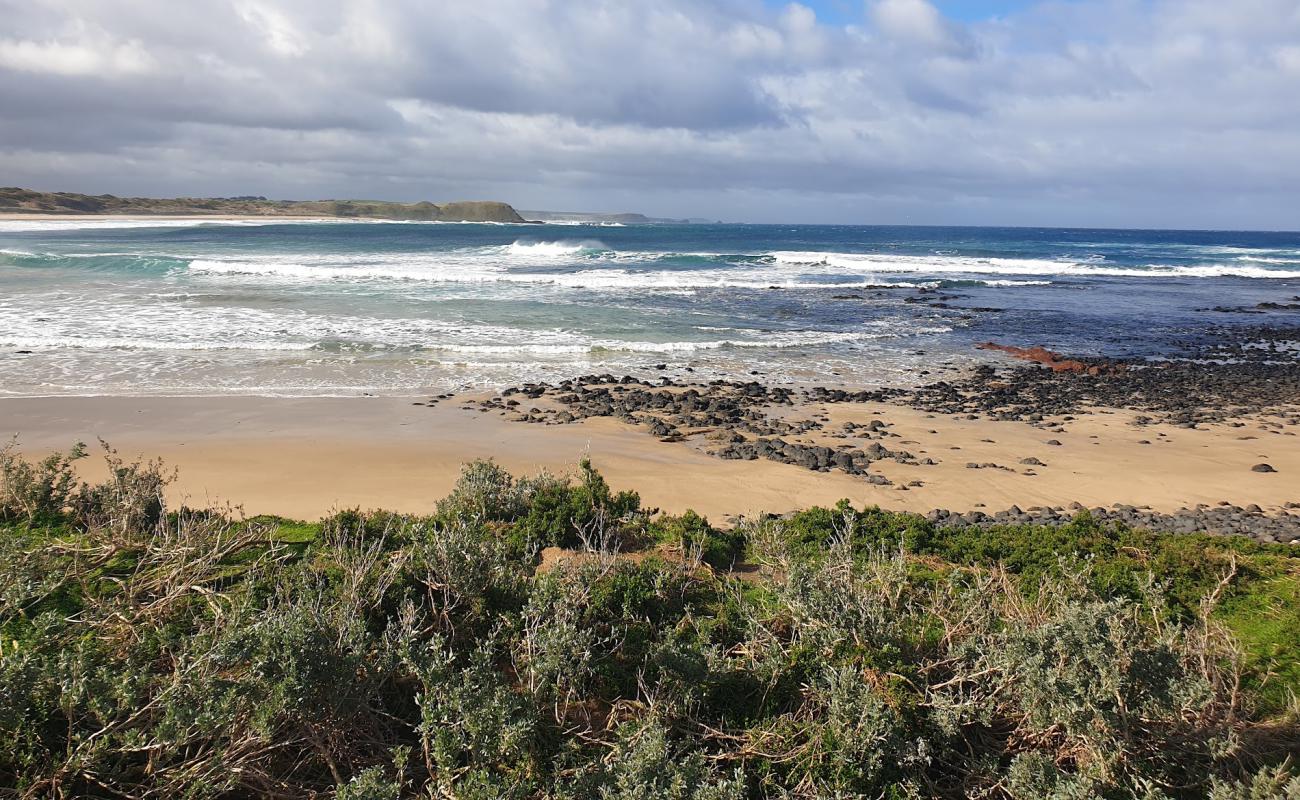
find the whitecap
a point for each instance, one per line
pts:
(527, 249)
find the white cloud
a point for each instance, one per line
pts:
(274, 26)
(913, 21)
(74, 58)
(1089, 112)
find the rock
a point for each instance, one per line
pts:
(1263, 468)
(1055, 361)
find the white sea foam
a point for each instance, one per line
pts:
(609, 278)
(238, 316)
(773, 341)
(969, 265)
(552, 250)
(603, 269)
(120, 343)
(1270, 259)
(67, 320)
(577, 223)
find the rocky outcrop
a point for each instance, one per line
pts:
(478, 211)
(1055, 361)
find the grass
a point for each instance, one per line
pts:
(1264, 618)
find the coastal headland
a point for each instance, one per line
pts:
(16, 202)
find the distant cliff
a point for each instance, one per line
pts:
(605, 217)
(25, 201)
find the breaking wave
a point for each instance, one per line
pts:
(530, 250)
(124, 324)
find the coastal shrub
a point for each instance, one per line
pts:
(544, 510)
(371, 783)
(40, 492)
(1119, 558)
(567, 514)
(860, 653)
(1034, 775)
(48, 492)
(1269, 783)
(477, 734)
(1129, 704)
(646, 764)
(466, 577)
(485, 492)
(130, 501)
(365, 525)
(693, 534)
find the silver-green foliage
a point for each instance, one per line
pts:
(146, 654)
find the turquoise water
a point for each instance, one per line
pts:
(345, 308)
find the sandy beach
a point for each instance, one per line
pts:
(306, 457)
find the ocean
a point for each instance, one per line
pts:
(304, 308)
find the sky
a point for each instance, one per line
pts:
(1089, 113)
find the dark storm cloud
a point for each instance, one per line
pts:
(1105, 112)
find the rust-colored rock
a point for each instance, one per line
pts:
(1054, 361)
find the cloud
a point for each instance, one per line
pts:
(916, 22)
(84, 59)
(1179, 112)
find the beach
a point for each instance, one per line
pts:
(298, 367)
(889, 399)
(307, 457)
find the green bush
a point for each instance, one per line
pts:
(154, 654)
(39, 493)
(693, 533)
(563, 514)
(485, 492)
(647, 765)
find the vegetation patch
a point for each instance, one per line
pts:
(839, 652)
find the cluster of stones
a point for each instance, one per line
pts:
(434, 400)
(819, 458)
(1259, 308)
(734, 415)
(1280, 527)
(1237, 371)
(668, 408)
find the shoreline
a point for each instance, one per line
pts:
(19, 216)
(306, 457)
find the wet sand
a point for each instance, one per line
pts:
(306, 457)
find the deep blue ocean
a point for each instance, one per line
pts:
(345, 308)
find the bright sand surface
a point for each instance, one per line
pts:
(305, 457)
